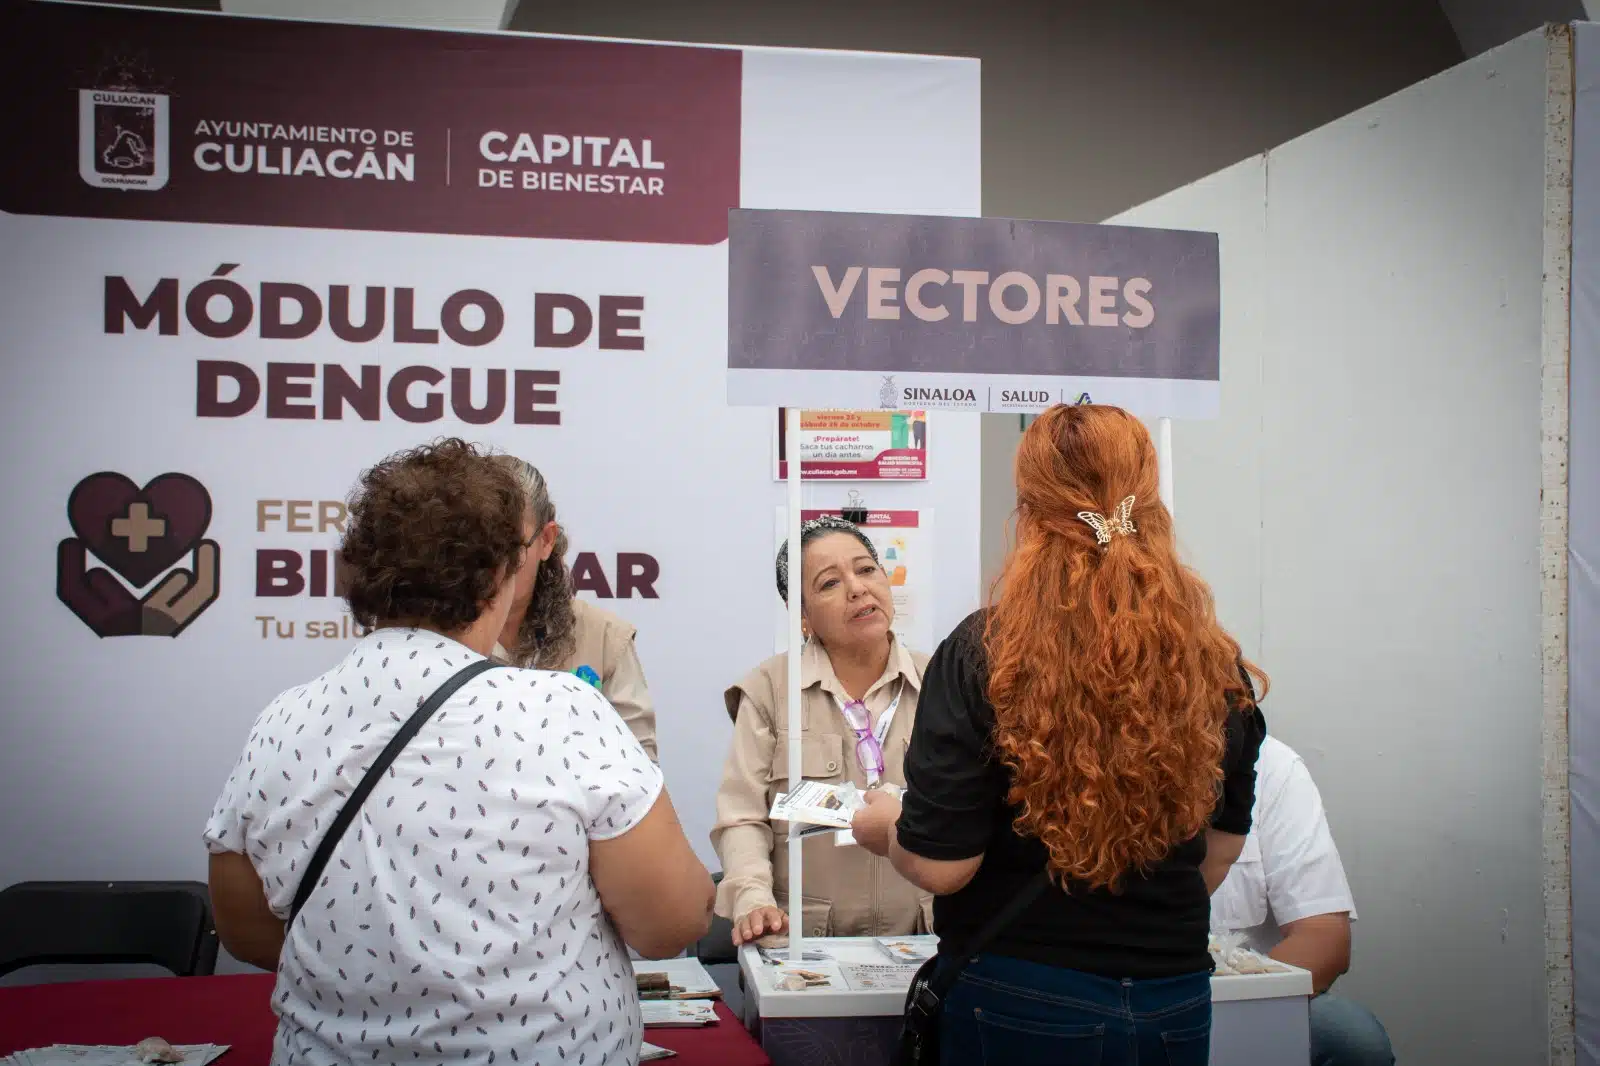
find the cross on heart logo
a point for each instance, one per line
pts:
(139, 533)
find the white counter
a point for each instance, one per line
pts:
(849, 1001)
(1257, 1019)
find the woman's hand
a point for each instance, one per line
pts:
(763, 921)
(873, 825)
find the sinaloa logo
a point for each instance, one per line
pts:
(888, 395)
(122, 139)
(140, 534)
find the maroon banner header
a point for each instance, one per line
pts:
(181, 117)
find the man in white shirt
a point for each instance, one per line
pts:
(1288, 895)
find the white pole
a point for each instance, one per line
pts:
(792, 450)
(1164, 460)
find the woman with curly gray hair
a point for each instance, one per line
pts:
(508, 840)
(551, 629)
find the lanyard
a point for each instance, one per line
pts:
(880, 731)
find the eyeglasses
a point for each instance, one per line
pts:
(868, 751)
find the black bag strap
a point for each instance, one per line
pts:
(945, 977)
(374, 774)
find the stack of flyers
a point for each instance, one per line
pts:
(909, 950)
(782, 956)
(648, 1052)
(816, 803)
(107, 1055)
(675, 979)
(808, 977)
(677, 1013)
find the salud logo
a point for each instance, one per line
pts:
(140, 534)
(122, 139)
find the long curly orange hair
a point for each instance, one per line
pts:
(1110, 676)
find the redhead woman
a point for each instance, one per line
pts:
(860, 689)
(551, 629)
(1096, 724)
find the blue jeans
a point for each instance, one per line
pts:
(1344, 1033)
(1006, 1012)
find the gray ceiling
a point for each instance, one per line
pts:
(1479, 24)
(1482, 24)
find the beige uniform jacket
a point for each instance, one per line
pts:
(605, 644)
(847, 890)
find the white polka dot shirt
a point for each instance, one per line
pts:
(456, 921)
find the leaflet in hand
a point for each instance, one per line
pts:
(816, 803)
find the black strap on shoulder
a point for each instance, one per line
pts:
(374, 774)
(944, 979)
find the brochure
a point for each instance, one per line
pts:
(675, 979)
(677, 1013)
(809, 977)
(878, 976)
(817, 803)
(909, 950)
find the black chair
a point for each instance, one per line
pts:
(167, 923)
(717, 945)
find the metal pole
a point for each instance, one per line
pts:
(796, 858)
(1164, 461)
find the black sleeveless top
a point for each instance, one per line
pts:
(955, 807)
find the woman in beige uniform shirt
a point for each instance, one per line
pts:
(552, 629)
(852, 667)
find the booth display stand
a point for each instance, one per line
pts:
(1257, 1019)
(794, 343)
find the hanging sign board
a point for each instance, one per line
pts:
(970, 314)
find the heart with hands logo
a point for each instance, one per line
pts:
(139, 533)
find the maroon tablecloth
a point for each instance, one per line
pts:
(236, 1011)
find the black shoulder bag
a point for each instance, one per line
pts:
(374, 774)
(919, 1032)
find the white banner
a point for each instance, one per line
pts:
(220, 306)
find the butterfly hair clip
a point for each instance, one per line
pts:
(1121, 521)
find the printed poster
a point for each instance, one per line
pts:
(904, 540)
(855, 445)
(228, 292)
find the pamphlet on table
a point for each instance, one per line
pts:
(677, 1013)
(780, 956)
(674, 979)
(872, 964)
(909, 950)
(109, 1055)
(1232, 958)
